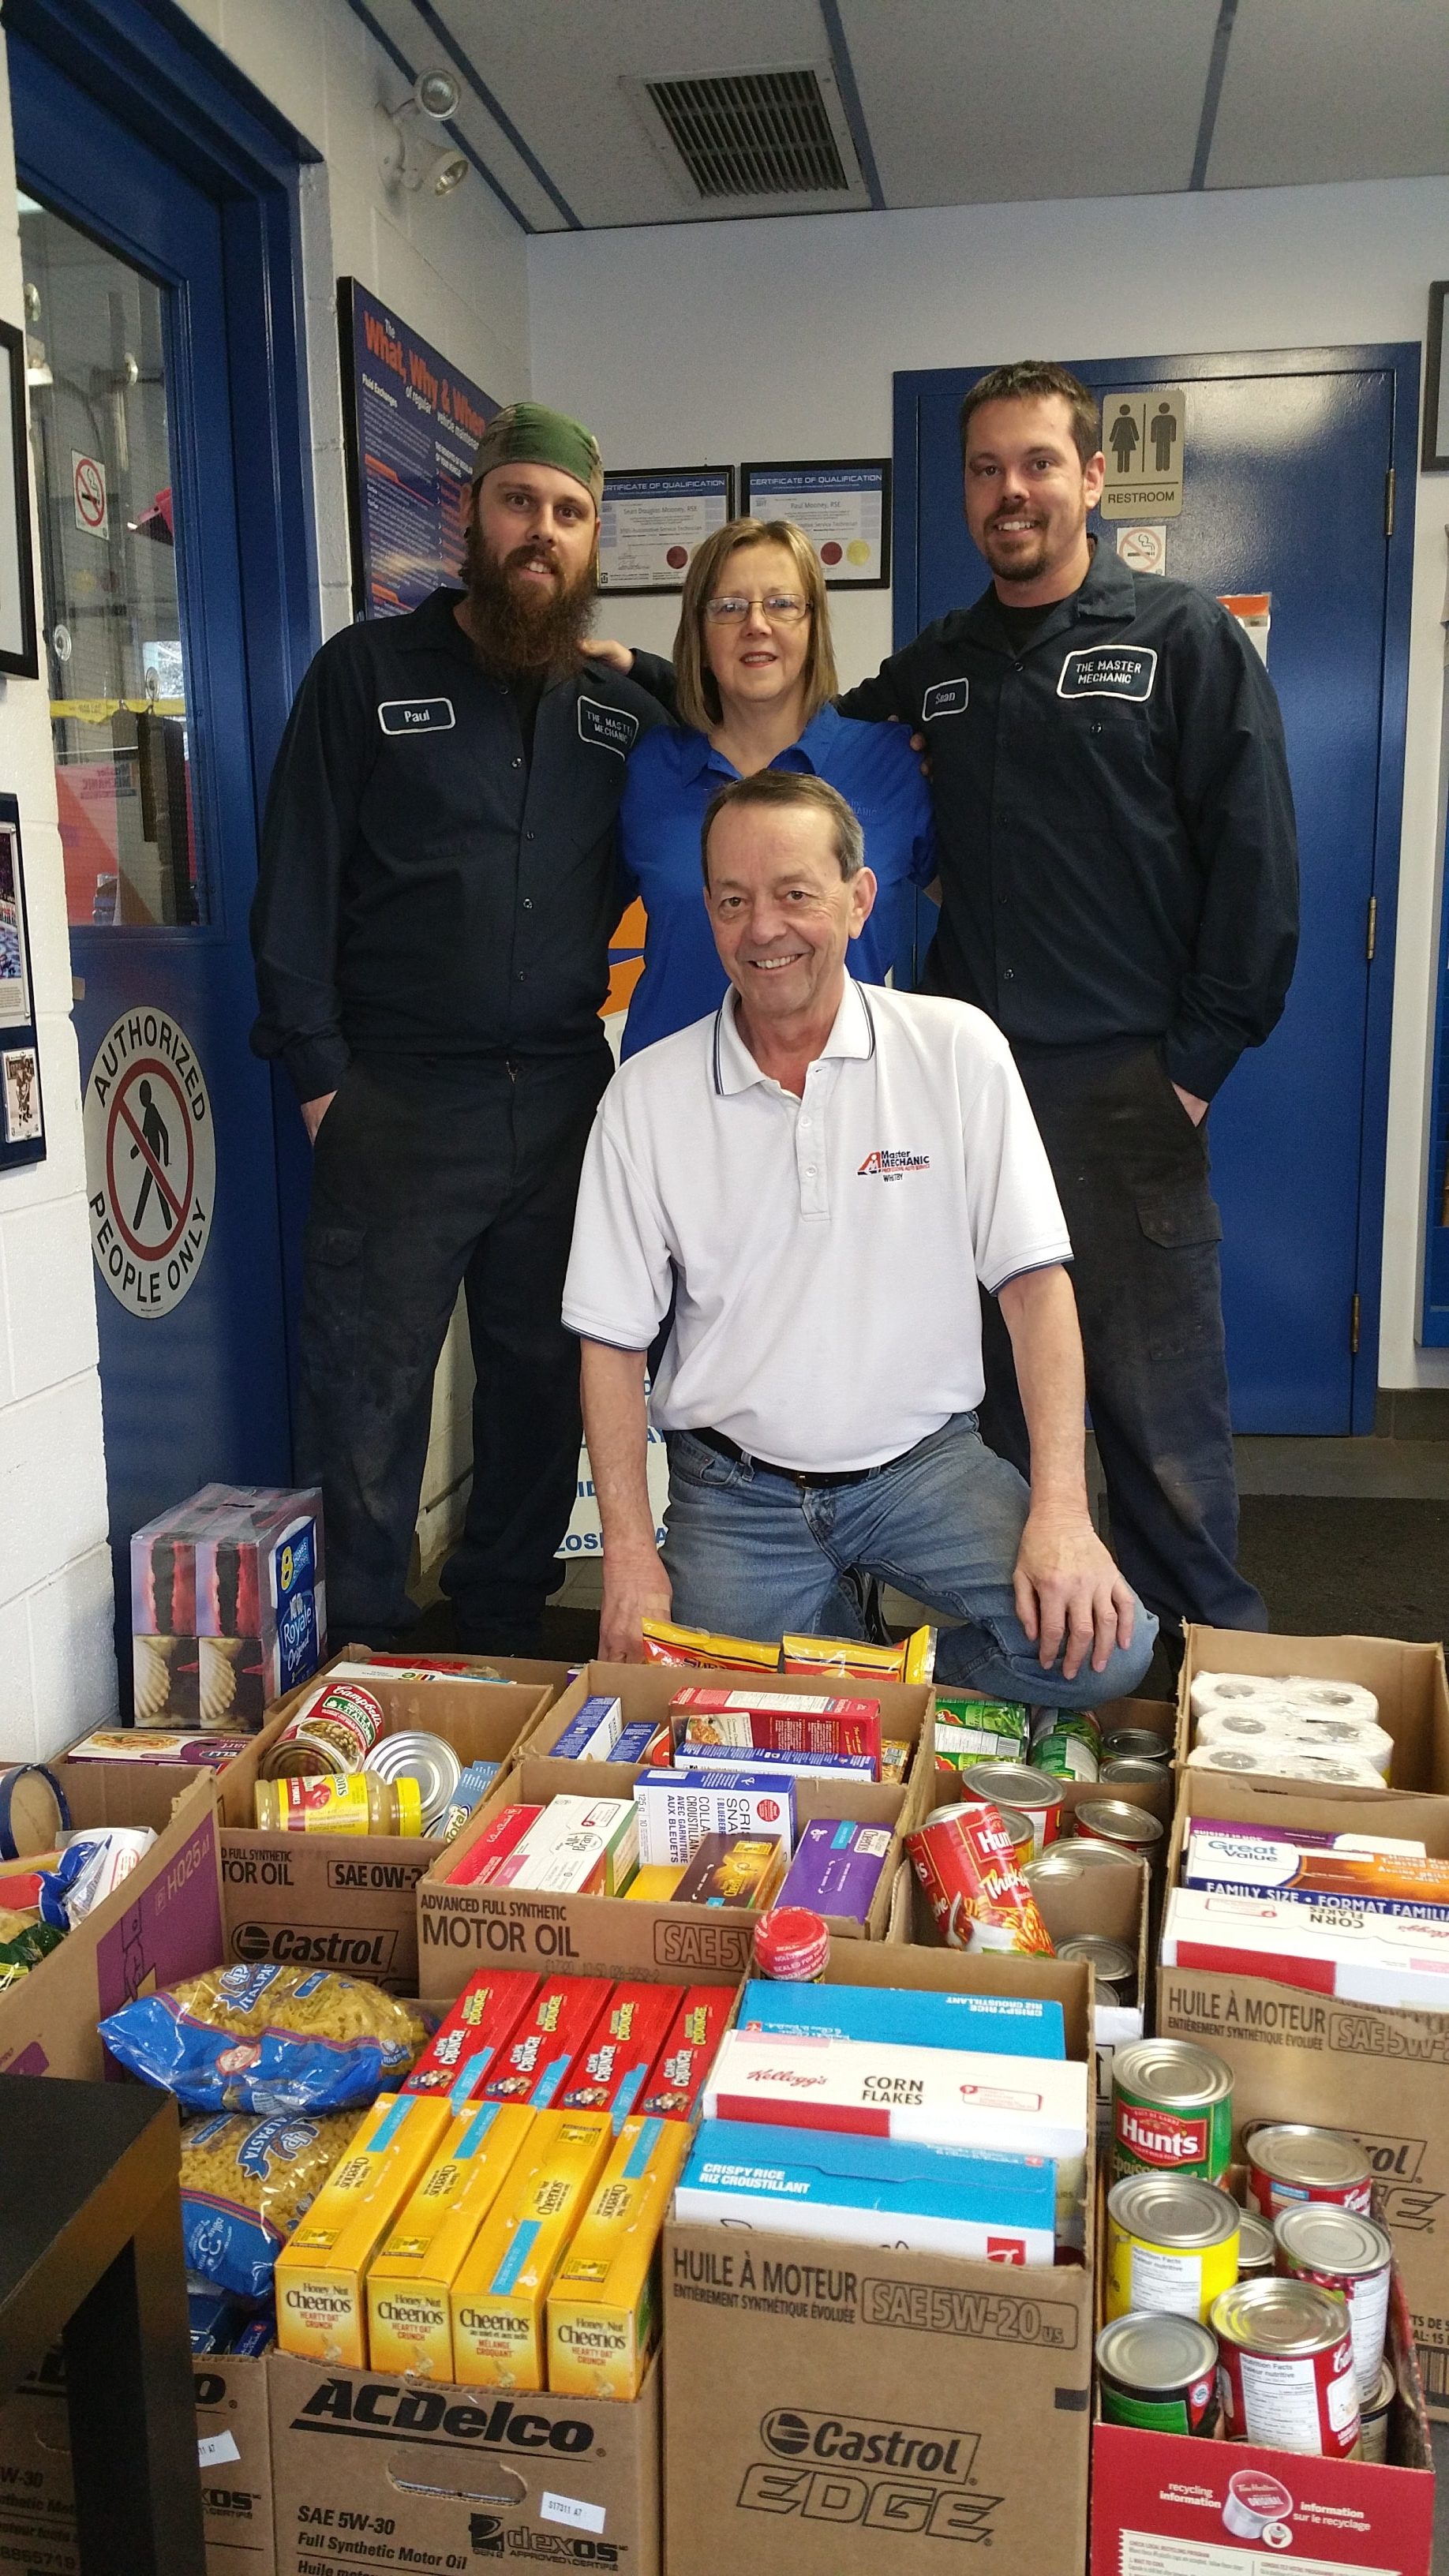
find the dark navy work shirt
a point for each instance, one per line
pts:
(1114, 821)
(427, 887)
(674, 772)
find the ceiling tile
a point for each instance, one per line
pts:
(1358, 90)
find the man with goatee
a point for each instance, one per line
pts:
(431, 935)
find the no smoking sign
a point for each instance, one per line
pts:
(88, 481)
(150, 1162)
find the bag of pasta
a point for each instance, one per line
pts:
(268, 2039)
(244, 2185)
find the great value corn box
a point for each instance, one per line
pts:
(322, 2268)
(501, 2294)
(410, 2282)
(603, 2309)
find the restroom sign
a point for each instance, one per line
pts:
(1143, 436)
(150, 1162)
(88, 480)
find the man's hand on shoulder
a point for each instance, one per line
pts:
(1069, 1593)
(636, 1588)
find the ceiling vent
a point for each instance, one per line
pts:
(765, 142)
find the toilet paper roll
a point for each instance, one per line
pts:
(1264, 1723)
(1284, 1761)
(1309, 1733)
(1234, 1690)
(1331, 1699)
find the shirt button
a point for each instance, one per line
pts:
(1008, 975)
(530, 836)
(518, 763)
(1003, 898)
(528, 902)
(522, 976)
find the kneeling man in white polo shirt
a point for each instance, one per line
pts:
(826, 1175)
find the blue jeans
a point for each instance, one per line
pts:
(751, 1554)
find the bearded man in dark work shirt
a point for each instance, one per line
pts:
(1119, 889)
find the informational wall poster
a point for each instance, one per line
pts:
(844, 510)
(412, 428)
(651, 523)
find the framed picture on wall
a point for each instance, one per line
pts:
(18, 641)
(1435, 458)
(651, 523)
(844, 509)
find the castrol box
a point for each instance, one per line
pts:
(465, 1922)
(347, 1901)
(842, 2409)
(374, 2470)
(1164, 2504)
(1378, 2071)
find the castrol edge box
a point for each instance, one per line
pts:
(163, 1922)
(1379, 2073)
(1166, 2504)
(347, 1901)
(464, 1928)
(844, 2410)
(379, 2472)
(233, 2446)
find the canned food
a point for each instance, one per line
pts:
(1135, 1768)
(1172, 2109)
(969, 1731)
(1072, 1860)
(1285, 2368)
(1078, 1723)
(305, 1756)
(424, 1758)
(1376, 2413)
(1115, 1820)
(963, 1857)
(341, 1717)
(1111, 1962)
(1342, 2251)
(1171, 2243)
(1257, 2253)
(791, 1944)
(1018, 1826)
(1288, 2163)
(1135, 1744)
(1033, 1794)
(1159, 2372)
(1064, 1757)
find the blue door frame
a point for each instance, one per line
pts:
(1400, 362)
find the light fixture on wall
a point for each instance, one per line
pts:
(406, 155)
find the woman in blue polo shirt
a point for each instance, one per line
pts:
(754, 677)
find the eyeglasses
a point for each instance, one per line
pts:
(779, 607)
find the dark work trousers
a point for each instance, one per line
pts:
(1132, 1171)
(430, 1172)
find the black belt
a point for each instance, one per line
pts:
(724, 1447)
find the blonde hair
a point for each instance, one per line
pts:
(696, 689)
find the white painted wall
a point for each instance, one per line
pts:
(456, 271)
(697, 344)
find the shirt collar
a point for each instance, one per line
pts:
(433, 628)
(698, 752)
(735, 1069)
(1108, 591)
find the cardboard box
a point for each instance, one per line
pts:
(1155, 1716)
(37, 2493)
(1161, 2501)
(459, 2477)
(841, 2411)
(462, 1929)
(162, 1923)
(1406, 1680)
(347, 1901)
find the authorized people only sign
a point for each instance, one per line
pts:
(150, 1161)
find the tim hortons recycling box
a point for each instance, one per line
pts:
(162, 1923)
(400, 2474)
(464, 1928)
(347, 1901)
(1381, 2074)
(853, 2410)
(233, 2443)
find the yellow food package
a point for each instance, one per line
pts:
(409, 2286)
(322, 2269)
(656, 1883)
(500, 2297)
(914, 1660)
(664, 1643)
(603, 2309)
(895, 1761)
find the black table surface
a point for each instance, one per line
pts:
(79, 2164)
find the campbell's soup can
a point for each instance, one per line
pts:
(1172, 2242)
(341, 1719)
(1376, 2413)
(1289, 2163)
(1172, 2109)
(963, 1857)
(1159, 2372)
(1257, 2253)
(1342, 2251)
(1034, 1794)
(1285, 2368)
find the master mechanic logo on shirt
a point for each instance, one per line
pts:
(890, 1163)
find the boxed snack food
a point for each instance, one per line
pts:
(592, 1733)
(678, 2074)
(677, 1808)
(1036, 2106)
(532, 2065)
(410, 2279)
(1005, 2025)
(470, 2034)
(1329, 1947)
(612, 2068)
(732, 1869)
(501, 2292)
(987, 2206)
(577, 1846)
(322, 2269)
(779, 1721)
(836, 1868)
(603, 2308)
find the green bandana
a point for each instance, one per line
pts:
(529, 434)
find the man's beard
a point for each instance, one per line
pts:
(1026, 564)
(514, 630)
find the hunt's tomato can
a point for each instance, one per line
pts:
(1172, 2110)
(964, 1858)
(1286, 2368)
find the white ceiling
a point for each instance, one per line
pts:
(961, 101)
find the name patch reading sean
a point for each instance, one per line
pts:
(1109, 671)
(416, 715)
(613, 728)
(947, 698)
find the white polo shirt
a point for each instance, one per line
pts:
(827, 1248)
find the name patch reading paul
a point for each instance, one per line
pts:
(1109, 671)
(416, 715)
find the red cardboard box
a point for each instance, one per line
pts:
(536, 2059)
(465, 2043)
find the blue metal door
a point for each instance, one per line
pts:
(1288, 489)
(132, 387)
